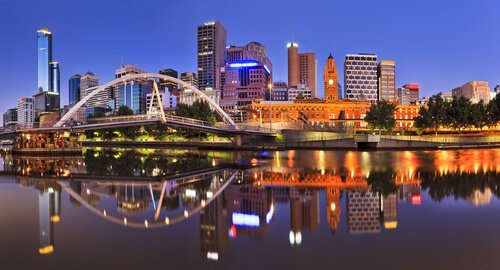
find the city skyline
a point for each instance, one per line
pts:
(78, 53)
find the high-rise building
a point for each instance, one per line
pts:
(333, 208)
(87, 81)
(171, 86)
(475, 91)
(308, 70)
(134, 96)
(126, 70)
(44, 38)
(211, 37)
(414, 92)
(10, 119)
(341, 91)
(304, 210)
(55, 85)
(360, 77)
(25, 112)
(403, 96)
(280, 91)
(46, 102)
(74, 89)
(389, 208)
(387, 80)
(331, 80)
(248, 76)
(293, 64)
(190, 78)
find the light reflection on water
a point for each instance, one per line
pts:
(293, 193)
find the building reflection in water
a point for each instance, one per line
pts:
(372, 190)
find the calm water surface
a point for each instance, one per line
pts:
(139, 209)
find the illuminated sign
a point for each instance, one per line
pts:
(267, 69)
(238, 65)
(269, 214)
(247, 220)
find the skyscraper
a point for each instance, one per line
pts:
(190, 78)
(87, 81)
(475, 91)
(25, 111)
(414, 92)
(331, 80)
(171, 86)
(10, 119)
(44, 38)
(387, 80)
(74, 89)
(211, 45)
(293, 64)
(360, 77)
(307, 71)
(248, 75)
(55, 80)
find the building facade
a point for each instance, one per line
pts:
(331, 80)
(87, 81)
(74, 89)
(211, 37)
(414, 92)
(44, 38)
(190, 78)
(134, 96)
(170, 86)
(280, 91)
(403, 96)
(387, 80)
(360, 77)
(475, 91)
(10, 119)
(308, 68)
(248, 76)
(25, 112)
(293, 64)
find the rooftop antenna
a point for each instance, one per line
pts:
(122, 65)
(293, 32)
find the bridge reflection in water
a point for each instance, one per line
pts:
(152, 190)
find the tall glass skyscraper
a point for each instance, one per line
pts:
(55, 82)
(74, 89)
(44, 38)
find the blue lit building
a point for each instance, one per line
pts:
(133, 95)
(44, 38)
(74, 89)
(55, 81)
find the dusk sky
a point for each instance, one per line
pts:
(439, 44)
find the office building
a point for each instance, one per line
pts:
(280, 91)
(190, 78)
(387, 80)
(87, 81)
(126, 70)
(25, 112)
(211, 37)
(134, 95)
(46, 102)
(248, 76)
(55, 77)
(74, 89)
(44, 38)
(331, 80)
(307, 71)
(300, 92)
(188, 97)
(169, 102)
(403, 96)
(360, 77)
(414, 92)
(446, 95)
(475, 91)
(10, 119)
(166, 85)
(293, 64)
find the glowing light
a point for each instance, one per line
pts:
(55, 219)
(146, 223)
(190, 193)
(125, 221)
(213, 256)
(295, 238)
(269, 214)
(105, 214)
(232, 231)
(333, 206)
(238, 65)
(241, 219)
(267, 69)
(167, 220)
(186, 213)
(46, 250)
(391, 224)
(210, 194)
(416, 199)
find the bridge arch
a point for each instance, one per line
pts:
(195, 90)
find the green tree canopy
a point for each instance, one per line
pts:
(381, 116)
(125, 110)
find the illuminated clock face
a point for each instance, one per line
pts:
(330, 82)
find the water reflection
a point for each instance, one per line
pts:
(152, 189)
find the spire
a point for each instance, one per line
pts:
(330, 57)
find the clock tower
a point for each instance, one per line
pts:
(331, 80)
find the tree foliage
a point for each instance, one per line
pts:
(381, 116)
(124, 110)
(200, 110)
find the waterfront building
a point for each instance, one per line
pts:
(360, 77)
(308, 68)
(211, 38)
(363, 211)
(403, 96)
(341, 114)
(74, 89)
(46, 102)
(475, 91)
(171, 86)
(387, 80)
(280, 91)
(293, 64)
(10, 119)
(331, 80)
(44, 38)
(102, 101)
(301, 91)
(25, 112)
(248, 76)
(190, 78)
(87, 81)
(414, 89)
(188, 97)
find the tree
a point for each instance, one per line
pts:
(478, 116)
(98, 114)
(124, 110)
(381, 116)
(459, 113)
(424, 120)
(200, 110)
(493, 108)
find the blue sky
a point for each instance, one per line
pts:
(439, 44)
